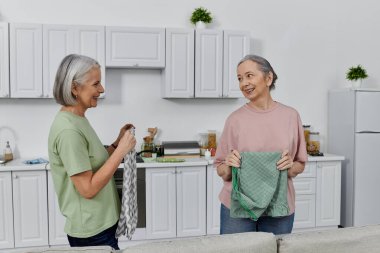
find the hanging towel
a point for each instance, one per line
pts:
(128, 215)
(258, 187)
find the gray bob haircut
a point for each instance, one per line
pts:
(73, 68)
(264, 66)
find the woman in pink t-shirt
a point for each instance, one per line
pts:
(261, 125)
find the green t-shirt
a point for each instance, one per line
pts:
(73, 148)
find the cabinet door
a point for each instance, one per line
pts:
(328, 194)
(135, 47)
(4, 61)
(304, 216)
(160, 203)
(214, 186)
(56, 220)
(90, 41)
(58, 41)
(30, 208)
(191, 201)
(208, 63)
(26, 60)
(236, 46)
(6, 211)
(178, 75)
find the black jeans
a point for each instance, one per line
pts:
(106, 237)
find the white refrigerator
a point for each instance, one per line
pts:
(354, 132)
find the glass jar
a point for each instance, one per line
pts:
(313, 145)
(147, 149)
(306, 132)
(203, 143)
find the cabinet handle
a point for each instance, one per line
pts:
(15, 176)
(173, 172)
(179, 172)
(136, 65)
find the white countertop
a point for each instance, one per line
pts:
(18, 165)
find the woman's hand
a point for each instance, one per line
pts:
(286, 162)
(122, 132)
(233, 159)
(224, 169)
(127, 142)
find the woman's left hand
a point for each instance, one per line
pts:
(122, 132)
(286, 162)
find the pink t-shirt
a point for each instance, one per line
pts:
(250, 130)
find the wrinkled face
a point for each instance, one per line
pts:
(89, 91)
(252, 81)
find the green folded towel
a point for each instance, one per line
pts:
(258, 187)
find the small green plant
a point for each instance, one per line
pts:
(201, 14)
(355, 73)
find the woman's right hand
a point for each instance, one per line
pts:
(127, 142)
(233, 159)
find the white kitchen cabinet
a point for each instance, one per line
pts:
(304, 185)
(26, 60)
(4, 60)
(328, 194)
(62, 40)
(6, 211)
(236, 46)
(160, 203)
(208, 63)
(191, 201)
(57, 236)
(214, 186)
(175, 202)
(30, 208)
(135, 47)
(178, 75)
(58, 41)
(215, 57)
(318, 196)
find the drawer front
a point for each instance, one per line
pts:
(305, 185)
(310, 170)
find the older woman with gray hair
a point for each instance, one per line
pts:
(261, 125)
(82, 168)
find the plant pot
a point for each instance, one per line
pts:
(356, 83)
(200, 25)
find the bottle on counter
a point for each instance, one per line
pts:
(8, 155)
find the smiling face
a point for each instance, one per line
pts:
(253, 83)
(88, 92)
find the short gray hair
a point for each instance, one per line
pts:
(73, 68)
(264, 66)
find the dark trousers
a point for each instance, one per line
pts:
(104, 238)
(275, 225)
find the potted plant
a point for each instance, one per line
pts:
(356, 75)
(200, 17)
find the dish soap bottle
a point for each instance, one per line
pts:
(8, 156)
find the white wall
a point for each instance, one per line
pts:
(309, 43)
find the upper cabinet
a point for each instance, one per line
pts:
(178, 76)
(208, 63)
(26, 60)
(236, 46)
(134, 47)
(216, 56)
(61, 40)
(37, 50)
(4, 61)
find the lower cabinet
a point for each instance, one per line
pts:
(56, 220)
(6, 211)
(318, 196)
(175, 202)
(24, 213)
(214, 186)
